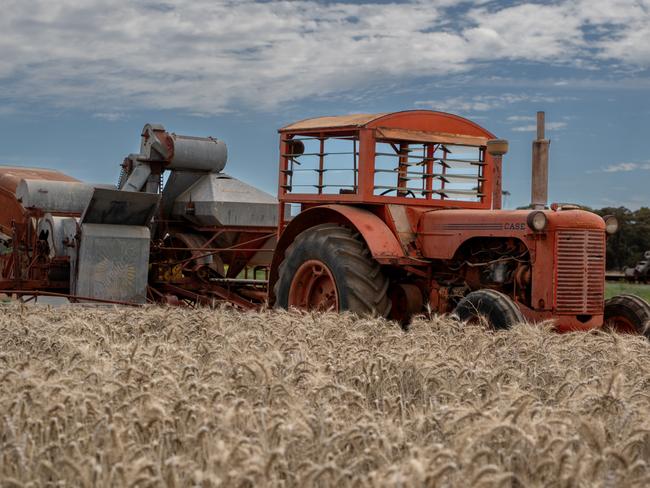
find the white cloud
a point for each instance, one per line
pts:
(483, 103)
(520, 118)
(626, 167)
(110, 116)
(533, 127)
(208, 56)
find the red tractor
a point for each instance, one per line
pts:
(400, 213)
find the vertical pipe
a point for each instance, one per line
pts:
(539, 183)
(321, 163)
(402, 175)
(497, 192)
(430, 166)
(445, 153)
(354, 156)
(282, 182)
(367, 146)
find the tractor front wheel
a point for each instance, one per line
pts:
(628, 314)
(499, 311)
(329, 267)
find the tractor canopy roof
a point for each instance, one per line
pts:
(420, 125)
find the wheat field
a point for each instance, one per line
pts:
(178, 397)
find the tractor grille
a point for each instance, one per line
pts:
(580, 272)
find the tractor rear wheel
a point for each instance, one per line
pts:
(497, 309)
(329, 267)
(628, 314)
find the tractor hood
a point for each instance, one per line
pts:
(441, 232)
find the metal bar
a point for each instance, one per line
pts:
(469, 193)
(321, 164)
(407, 156)
(222, 293)
(455, 192)
(322, 186)
(231, 248)
(429, 169)
(403, 168)
(445, 166)
(299, 170)
(68, 296)
(434, 158)
(354, 161)
(214, 249)
(321, 154)
(456, 160)
(236, 281)
(434, 175)
(249, 229)
(336, 138)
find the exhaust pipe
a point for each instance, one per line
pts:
(539, 186)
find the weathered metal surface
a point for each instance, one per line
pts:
(72, 298)
(539, 178)
(113, 262)
(54, 196)
(161, 150)
(366, 130)
(353, 120)
(10, 176)
(177, 183)
(58, 233)
(120, 207)
(112, 258)
(198, 154)
(138, 177)
(437, 137)
(421, 121)
(220, 200)
(183, 152)
(441, 232)
(580, 271)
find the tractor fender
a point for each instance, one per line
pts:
(382, 243)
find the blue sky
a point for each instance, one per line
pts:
(79, 79)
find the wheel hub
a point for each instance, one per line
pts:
(314, 288)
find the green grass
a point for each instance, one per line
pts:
(613, 289)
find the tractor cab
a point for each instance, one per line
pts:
(417, 158)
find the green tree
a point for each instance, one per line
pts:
(626, 247)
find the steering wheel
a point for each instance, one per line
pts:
(408, 192)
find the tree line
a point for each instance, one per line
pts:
(626, 247)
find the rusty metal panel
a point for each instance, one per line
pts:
(112, 263)
(580, 278)
(430, 136)
(353, 120)
(10, 176)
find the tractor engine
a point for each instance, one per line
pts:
(499, 264)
